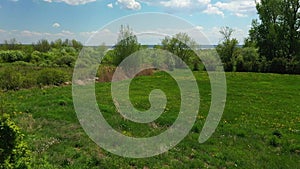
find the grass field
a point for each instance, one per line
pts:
(260, 127)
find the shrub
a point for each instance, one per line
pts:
(247, 60)
(22, 63)
(28, 81)
(14, 153)
(35, 57)
(293, 67)
(65, 61)
(12, 56)
(10, 79)
(228, 66)
(278, 65)
(51, 77)
(105, 73)
(240, 65)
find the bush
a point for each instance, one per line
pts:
(51, 77)
(10, 79)
(278, 65)
(65, 61)
(247, 60)
(12, 56)
(28, 81)
(293, 67)
(228, 66)
(22, 63)
(14, 153)
(105, 73)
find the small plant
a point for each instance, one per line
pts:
(14, 153)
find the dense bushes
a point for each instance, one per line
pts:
(11, 56)
(51, 77)
(10, 79)
(14, 153)
(248, 60)
(17, 77)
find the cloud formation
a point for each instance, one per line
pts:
(56, 25)
(240, 8)
(213, 10)
(129, 4)
(110, 5)
(237, 7)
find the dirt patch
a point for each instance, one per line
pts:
(106, 73)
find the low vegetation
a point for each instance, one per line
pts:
(259, 128)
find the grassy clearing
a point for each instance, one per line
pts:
(260, 127)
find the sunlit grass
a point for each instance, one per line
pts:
(260, 127)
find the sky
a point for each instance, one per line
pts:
(31, 20)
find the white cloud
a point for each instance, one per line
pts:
(176, 3)
(72, 2)
(237, 7)
(179, 5)
(240, 8)
(56, 25)
(67, 33)
(213, 10)
(110, 5)
(129, 4)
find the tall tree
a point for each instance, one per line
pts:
(277, 33)
(42, 46)
(127, 44)
(227, 49)
(182, 46)
(12, 44)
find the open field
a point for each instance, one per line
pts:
(260, 127)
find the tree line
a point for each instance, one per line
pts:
(273, 45)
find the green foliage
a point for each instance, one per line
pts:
(277, 34)
(127, 45)
(247, 60)
(257, 129)
(11, 56)
(11, 44)
(278, 65)
(181, 45)
(27, 76)
(65, 61)
(227, 49)
(10, 79)
(14, 153)
(42, 46)
(51, 77)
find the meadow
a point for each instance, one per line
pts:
(260, 127)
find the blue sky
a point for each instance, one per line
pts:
(31, 20)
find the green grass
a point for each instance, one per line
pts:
(260, 127)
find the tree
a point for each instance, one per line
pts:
(182, 46)
(12, 44)
(42, 46)
(127, 44)
(57, 44)
(76, 44)
(277, 34)
(227, 49)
